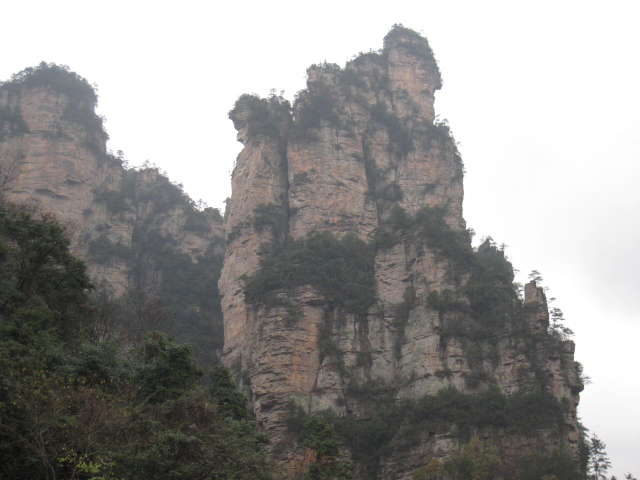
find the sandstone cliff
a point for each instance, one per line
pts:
(350, 287)
(140, 234)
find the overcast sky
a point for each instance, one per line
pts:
(544, 98)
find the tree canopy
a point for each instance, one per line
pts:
(75, 405)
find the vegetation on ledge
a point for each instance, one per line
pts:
(398, 425)
(340, 269)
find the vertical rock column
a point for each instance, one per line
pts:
(259, 180)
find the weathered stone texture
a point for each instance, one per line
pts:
(362, 143)
(60, 163)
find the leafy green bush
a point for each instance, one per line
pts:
(114, 200)
(519, 413)
(449, 410)
(102, 250)
(264, 116)
(166, 369)
(400, 136)
(320, 436)
(429, 224)
(452, 244)
(383, 239)
(352, 77)
(311, 107)
(274, 218)
(341, 269)
(39, 278)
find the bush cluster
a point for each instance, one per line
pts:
(340, 269)
(463, 414)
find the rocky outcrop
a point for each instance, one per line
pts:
(135, 228)
(389, 306)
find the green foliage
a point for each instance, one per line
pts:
(480, 460)
(557, 329)
(452, 244)
(429, 224)
(272, 217)
(410, 40)
(188, 290)
(103, 250)
(446, 301)
(341, 269)
(312, 107)
(598, 463)
(59, 77)
(185, 288)
(114, 200)
(317, 433)
(400, 219)
(477, 377)
(449, 410)
(231, 402)
(401, 312)
(187, 438)
(364, 57)
(400, 136)
(166, 369)
(320, 436)
(492, 299)
(442, 130)
(78, 407)
(12, 122)
(471, 412)
(579, 368)
(82, 95)
(560, 464)
(351, 76)
(264, 116)
(39, 278)
(383, 239)
(164, 194)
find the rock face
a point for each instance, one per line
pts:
(360, 175)
(131, 226)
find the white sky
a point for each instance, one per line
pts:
(542, 96)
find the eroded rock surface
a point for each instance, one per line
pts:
(360, 153)
(132, 226)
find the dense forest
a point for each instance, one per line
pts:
(78, 401)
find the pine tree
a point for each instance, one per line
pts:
(598, 459)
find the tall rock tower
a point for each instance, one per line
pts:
(350, 288)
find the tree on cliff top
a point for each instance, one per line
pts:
(57, 76)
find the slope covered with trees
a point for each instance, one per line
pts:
(78, 402)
